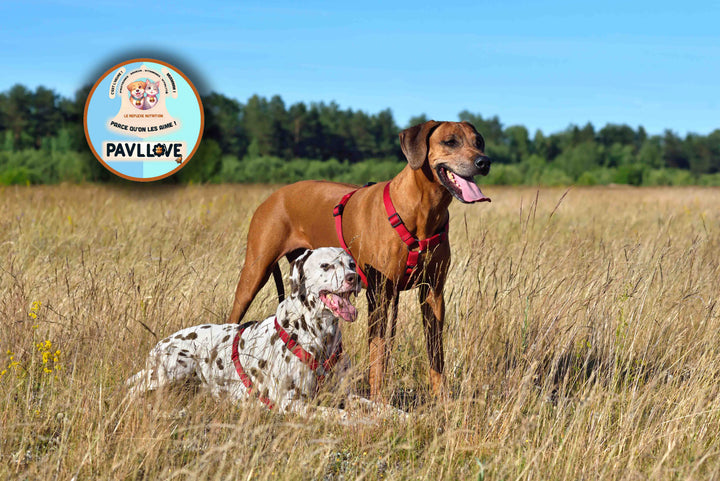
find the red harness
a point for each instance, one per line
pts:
(305, 357)
(407, 237)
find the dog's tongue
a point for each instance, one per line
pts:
(340, 306)
(470, 190)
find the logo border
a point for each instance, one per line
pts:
(87, 105)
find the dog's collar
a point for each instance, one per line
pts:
(307, 358)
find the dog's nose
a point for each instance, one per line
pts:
(352, 278)
(483, 162)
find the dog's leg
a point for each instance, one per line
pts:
(348, 417)
(255, 274)
(171, 361)
(432, 305)
(270, 236)
(149, 379)
(379, 298)
(138, 383)
(392, 320)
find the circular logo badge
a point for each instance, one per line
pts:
(143, 119)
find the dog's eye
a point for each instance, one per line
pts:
(324, 266)
(450, 142)
(352, 265)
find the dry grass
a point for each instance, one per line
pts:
(582, 342)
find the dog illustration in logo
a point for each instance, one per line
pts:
(151, 95)
(137, 94)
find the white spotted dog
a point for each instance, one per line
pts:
(281, 360)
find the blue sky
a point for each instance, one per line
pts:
(540, 64)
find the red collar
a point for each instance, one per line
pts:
(306, 357)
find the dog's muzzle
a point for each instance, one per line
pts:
(482, 163)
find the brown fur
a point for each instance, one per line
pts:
(300, 216)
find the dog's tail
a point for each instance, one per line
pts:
(137, 383)
(277, 277)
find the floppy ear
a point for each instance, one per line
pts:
(470, 125)
(414, 142)
(297, 278)
(478, 135)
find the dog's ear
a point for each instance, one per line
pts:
(478, 136)
(469, 125)
(297, 278)
(414, 142)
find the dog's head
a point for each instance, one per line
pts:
(137, 89)
(326, 275)
(454, 152)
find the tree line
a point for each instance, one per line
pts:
(265, 140)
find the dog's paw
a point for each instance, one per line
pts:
(378, 409)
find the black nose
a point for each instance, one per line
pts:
(483, 164)
(352, 278)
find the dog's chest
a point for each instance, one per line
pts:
(273, 368)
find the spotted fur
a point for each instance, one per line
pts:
(204, 352)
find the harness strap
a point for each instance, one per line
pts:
(307, 358)
(320, 369)
(397, 223)
(337, 213)
(407, 237)
(241, 372)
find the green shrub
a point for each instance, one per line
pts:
(204, 166)
(683, 177)
(710, 180)
(554, 177)
(581, 158)
(631, 174)
(18, 175)
(371, 171)
(231, 169)
(73, 166)
(504, 174)
(660, 177)
(533, 167)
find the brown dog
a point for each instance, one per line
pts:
(443, 157)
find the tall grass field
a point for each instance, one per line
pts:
(582, 341)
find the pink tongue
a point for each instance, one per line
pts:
(341, 307)
(470, 190)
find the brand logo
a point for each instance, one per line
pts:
(143, 119)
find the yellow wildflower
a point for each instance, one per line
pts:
(34, 309)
